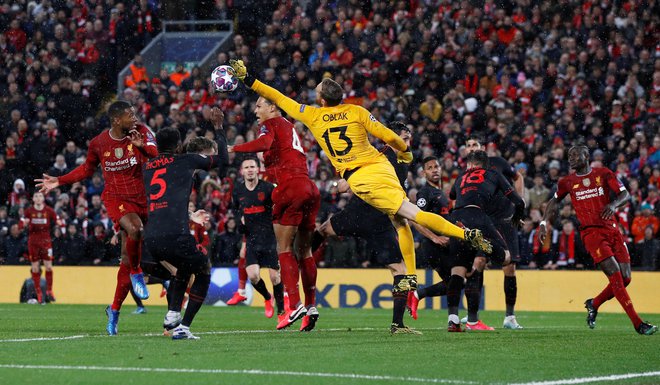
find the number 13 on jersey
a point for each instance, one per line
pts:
(342, 136)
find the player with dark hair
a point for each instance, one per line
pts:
(501, 212)
(296, 202)
(254, 205)
(590, 190)
(120, 151)
(41, 220)
(434, 247)
(475, 189)
(380, 235)
(169, 180)
(342, 132)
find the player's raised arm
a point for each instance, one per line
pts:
(217, 118)
(85, 170)
(377, 129)
(298, 111)
(143, 139)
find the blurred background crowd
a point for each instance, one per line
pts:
(531, 76)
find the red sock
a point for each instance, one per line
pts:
(49, 280)
(242, 274)
(308, 273)
(621, 294)
(123, 286)
(607, 294)
(289, 272)
(36, 279)
(133, 251)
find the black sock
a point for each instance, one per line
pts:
(137, 299)
(436, 290)
(154, 280)
(317, 240)
(399, 298)
(454, 293)
(473, 295)
(196, 297)
(510, 293)
(260, 287)
(278, 293)
(178, 289)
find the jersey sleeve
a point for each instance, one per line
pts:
(613, 182)
(562, 189)
(452, 192)
(302, 112)
(85, 170)
(377, 129)
(423, 200)
(507, 169)
(262, 143)
(203, 162)
(503, 184)
(149, 148)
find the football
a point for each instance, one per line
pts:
(224, 79)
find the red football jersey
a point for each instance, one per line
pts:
(40, 223)
(284, 157)
(590, 194)
(121, 164)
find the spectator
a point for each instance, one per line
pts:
(179, 75)
(227, 245)
(644, 219)
(15, 246)
(649, 251)
(538, 194)
(74, 245)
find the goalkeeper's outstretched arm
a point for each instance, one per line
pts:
(291, 107)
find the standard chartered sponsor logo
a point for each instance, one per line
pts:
(590, 193)
(120, 165)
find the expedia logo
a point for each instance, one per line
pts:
(333, 117)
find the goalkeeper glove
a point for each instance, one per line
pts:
(404, 156)
(239, 68)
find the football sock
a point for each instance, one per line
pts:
(607, 294)
(196, 297)
(399, 298)
(439, 225)
(123, 286)
(317, 240)
(510, 293)
(137, 299)
(260, 287)
(308, 274)
(407, 246)
(178, 288)
(278, 293)
(36, 280)
(242, 275)
(133, 249)
(473, 295)
(454, 293)
(289, 274)
(49, 280)
(155, 280)
(435, 290)
(621, 294)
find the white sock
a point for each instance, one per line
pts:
(415, 294)
(454, 318)
(241, 292)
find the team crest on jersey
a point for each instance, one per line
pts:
(130, 149)
(586, 182)
(597, 181)
(106, 154)
(119, 152)
(576, 186)
(261, 196)
(121, 208)
(38, 215)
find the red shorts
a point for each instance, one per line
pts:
(605, 242)
(40, 252)
(296, 202)
(118, 208)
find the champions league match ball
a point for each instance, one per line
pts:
(224, 79)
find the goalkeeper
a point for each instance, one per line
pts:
(342, 132)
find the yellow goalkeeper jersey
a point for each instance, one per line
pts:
(341, 131)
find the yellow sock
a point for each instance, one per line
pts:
(439, 225)
(407, 246)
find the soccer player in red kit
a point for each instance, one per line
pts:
(296, 201)
(120, 151)
(590, 190)
(40, 220)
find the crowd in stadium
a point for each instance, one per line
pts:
(532, 76)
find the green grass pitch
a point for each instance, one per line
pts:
(240, 346)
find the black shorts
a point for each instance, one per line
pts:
(435, 257)
(461, 253)
(359, 219)
(510, 234)
(180, 251)
(264, 256)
